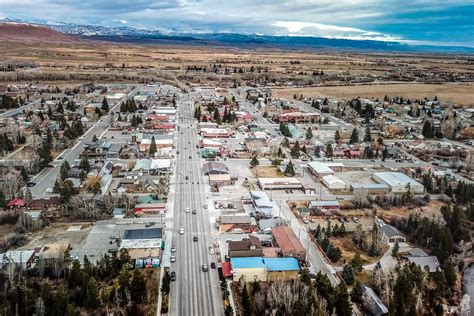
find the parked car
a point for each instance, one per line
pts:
(194, 212)
(213, 265)
(30, 184)
(173, 276)
(195, 238)
(173, 249)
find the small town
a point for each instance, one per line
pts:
(138, 181)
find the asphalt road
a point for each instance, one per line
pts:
(194, 292)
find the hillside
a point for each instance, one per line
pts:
(23, 32)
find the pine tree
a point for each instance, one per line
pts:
(337, 136)
(105, 105)
(395, 249)
(153, 149)
(343, 305)
(309, 133)
(290, 169)
(354, 136)
(295, 150)
(348, 274)
(254, 162)
(329, 151)
(357, 292)
(138, 287)
(368, 135)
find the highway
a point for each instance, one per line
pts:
(194, 292)
(46, 178)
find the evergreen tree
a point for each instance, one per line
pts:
(309, 133)
(354, 136)
(295, 150)
(91, 294)
(290, 169)
(105, 105)
(254, 162)
(357, 292)
(285, 142)
(348, 274)
(329, 151)
(395, 249)
(337, 136)
(63, 171)
(153, 149)
(368, 135)
(343, 304)
(85, 165)
(138, 287)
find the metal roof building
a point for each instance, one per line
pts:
(398, 182)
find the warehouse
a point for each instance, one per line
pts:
(279, 184)
(370, 188)
(398, 182)
(324, 206)
(321, 169)
(143, 238)
(289, 244)
(333, 183)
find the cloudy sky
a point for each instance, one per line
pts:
(439, 22)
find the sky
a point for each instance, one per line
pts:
(432, 22)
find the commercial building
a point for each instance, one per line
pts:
(279, 183)
(324, 206)
(370, 188)
(321, 169)
(398, 182)
(150, 208)
(214, 167)
(142, 238)
(297, 117)
(246, 248)
(214, 132)
(261, 202)
(289, 244)
(219, 180)
(255, 269)
(333, 183)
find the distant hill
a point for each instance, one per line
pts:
(24, 32)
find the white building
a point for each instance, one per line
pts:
(333, 183)
(279, 183)
(320, 169)
(398, 182)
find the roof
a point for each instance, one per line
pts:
(143, 233)
(247, 263)
(243, 218)
(245, 244)
(428, 261)
(17, 202)
(278, 181)
(219, 177)
(417, 252)
(282, 264)
(396, 178)
(331, 179)
(226, 269)
(54, 250)
(16, 256)
(160, 164)
(140, 253)
(214, 166)
(357, 186)
(286, 239)
(314, 204)
(324, 167)
(379, 306)
(390, 231)
(260, 198)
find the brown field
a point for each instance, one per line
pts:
(462, 94)
(348, 250)
(267, 172)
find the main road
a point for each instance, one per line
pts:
(194, 292)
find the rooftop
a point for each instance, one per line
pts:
(143, 233)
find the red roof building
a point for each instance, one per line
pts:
(226, 269)
(17, 203)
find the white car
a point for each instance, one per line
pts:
(172, 258)
(211, 250)
(187, 210)
(181, 231)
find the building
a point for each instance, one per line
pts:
(333, 183)
(391, 234)
(142, 238)
(429, 263)
(324, 206)
(150, 208)
(321, 169)
(52, 252)
(261, 202)
(297, 117)
(370, 188)
(289, 244)
(219, 180)
(279, 184)
(255, 269)
(214, 132)
(214, 167)
(398, 182)
(19, 258)
(245, 248)
(372, 303)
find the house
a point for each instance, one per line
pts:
(398, 182)
(114, 151)
(333, 183)
(74, 172)
(51, 204)
(214, 167)
(279, 184)
(261, 202)
(51, 252)
(372, 302)
(19, 258)
(391, 234)
(16, 203)
(289, 244)
(245, 248)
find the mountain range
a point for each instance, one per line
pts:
(196, 37)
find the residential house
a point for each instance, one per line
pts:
(252, 247)
(391, 234)
(19, 258)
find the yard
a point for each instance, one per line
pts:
(267, 172)
(349, 249)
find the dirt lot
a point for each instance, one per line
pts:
(267, 172)
(451, 93)
(348, 250)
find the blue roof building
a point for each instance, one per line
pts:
(247, 263)
(281, 264)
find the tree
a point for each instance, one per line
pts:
(384, 153)
(85, 165)
(285, 142)
(337, 136)
(95, 139)
(317, 152)
(290, 169)
(343, 305)
(348, 274)
(295, 150)
(153, 146)
(357, 292)
(91, 294)
(356, 262)
(63, 172)
(254, 162)
(105, 105)
(395, 249)
(309, 133)
(368, 135)
(138, 287)
(245, 302)
(354, 136)
(329, 151)
(428, 130)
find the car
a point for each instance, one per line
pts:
(187, 210)
(112, 250)
(194, 212)
(60, 158)
(204, 206)
(114, 237)
(205, 268)
(177, 152)
(149, 224)
(195, 238)
(173, 249)
(305, 220)
(173, 276)
(50, 166)
(30, 184)
(213, 265)
(181, 231)
(211, 250)
(186, 178)
(172, 258)
(190, 157)
(355, 219)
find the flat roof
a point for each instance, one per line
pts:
(142, 233)
(282, 264)
(278, 181)
(247, 263)
(396, 178)
(323, 167)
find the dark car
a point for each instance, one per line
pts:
(190, 157)
(194, 212)
(173, 276)
(205, 268)
(195, 238)
(213, 265)
(30, 184)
